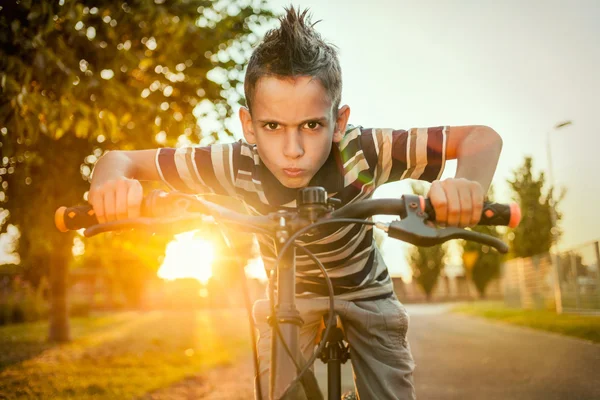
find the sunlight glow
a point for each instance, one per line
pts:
(188, 257)
(256, 269)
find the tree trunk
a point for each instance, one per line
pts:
(59, 316)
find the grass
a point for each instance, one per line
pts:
(118, 356)
(580, 326)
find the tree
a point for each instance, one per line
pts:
(426, 262)
(77, 80)
(533, 235)
(486, 261)
(126, 259)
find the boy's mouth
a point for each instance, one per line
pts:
(293, 172)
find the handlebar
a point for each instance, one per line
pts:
(492, 213)
(177, 212)
(158, 210)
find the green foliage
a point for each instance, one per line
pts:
(119, 356)
(126, 260)
(581, 326)
(78, 79)
(426, 262)
(487, 264)
(23, 303)
(533, 235)
(117, 70)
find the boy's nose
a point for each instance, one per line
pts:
(293, 147)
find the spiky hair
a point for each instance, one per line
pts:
(295, 49)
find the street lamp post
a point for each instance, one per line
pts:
(553, 218)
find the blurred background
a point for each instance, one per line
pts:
(135, 315)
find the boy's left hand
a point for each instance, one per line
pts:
(457, 202)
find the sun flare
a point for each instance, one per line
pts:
(188, 257)
(256, 269)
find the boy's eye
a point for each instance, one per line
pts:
(271, 125)
(312, 125)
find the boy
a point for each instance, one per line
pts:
(298, 135)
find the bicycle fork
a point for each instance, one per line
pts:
(334, 354)
(289, 322)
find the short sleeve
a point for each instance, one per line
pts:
(196, 170)
(418, 153)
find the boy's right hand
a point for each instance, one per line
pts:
(116, 199)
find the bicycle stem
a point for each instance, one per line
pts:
(288, 318)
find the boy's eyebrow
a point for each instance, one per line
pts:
(317, 119)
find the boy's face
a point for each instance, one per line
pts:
(293, 127)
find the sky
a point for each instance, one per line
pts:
(519, 67)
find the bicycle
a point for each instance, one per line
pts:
(289, 379)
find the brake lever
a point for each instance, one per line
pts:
(412, 228)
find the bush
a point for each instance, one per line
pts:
(5, 314)
(79, 309)
(21, 303)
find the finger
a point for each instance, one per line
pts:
(134, 199)
(477, 200)
(97, 202)
(438, 201)
(466, 205)
(109, 201)
(121, 199)
(453, 204)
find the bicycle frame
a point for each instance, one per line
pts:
(289, 320)
(287, 226)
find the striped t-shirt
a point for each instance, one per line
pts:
(363, 160)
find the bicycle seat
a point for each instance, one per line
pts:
(322, 327)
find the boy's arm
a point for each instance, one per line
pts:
(115, 190)
(459, 201)
(139, 164)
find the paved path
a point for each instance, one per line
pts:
(468, 358)
(457, 357)
(462, 357)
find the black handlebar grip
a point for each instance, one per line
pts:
(73, 218)
(156, 204)
(492, 213)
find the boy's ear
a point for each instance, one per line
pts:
(340, 124)
(247, 127)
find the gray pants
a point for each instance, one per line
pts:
(376, 331)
